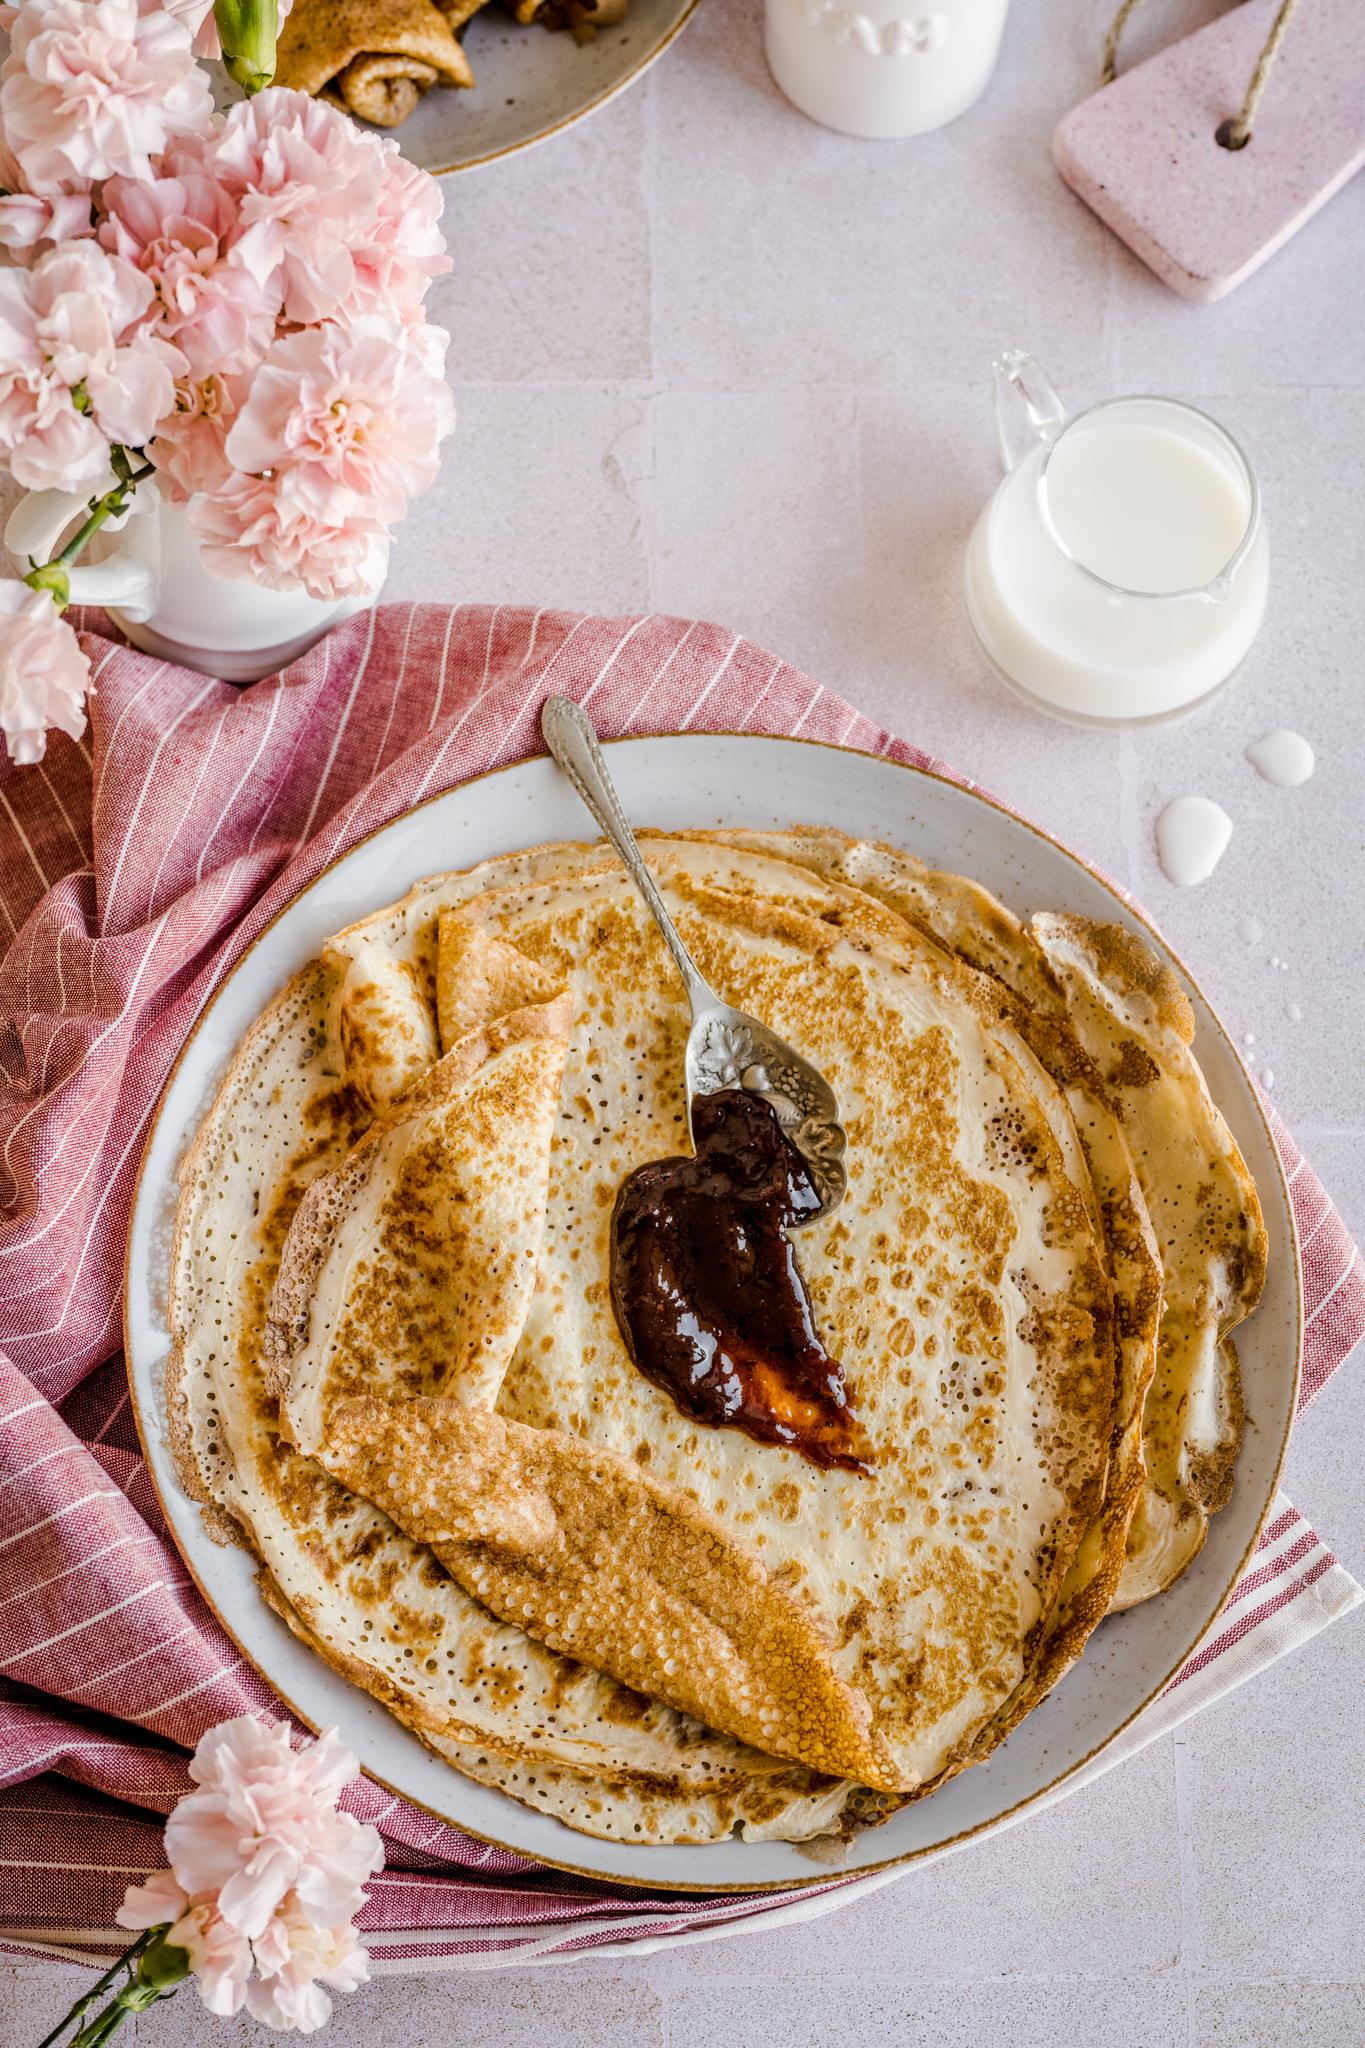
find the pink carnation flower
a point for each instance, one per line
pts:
(92, 88)
(404, 248)
(265, 1876)
(295, 1959)
(260, 527)
(190, 446)
(175, 231)
(43, 674)
(354, 416)
(263, 1823)
(309, 186)
(31, 222)
(70, 380)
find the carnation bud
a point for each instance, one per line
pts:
(162, 1964)
(246, 29)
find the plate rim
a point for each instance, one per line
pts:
(604, 98)
(926, 1851)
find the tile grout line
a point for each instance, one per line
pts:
(1130, 812)
(1191, 1951)
(649, 536)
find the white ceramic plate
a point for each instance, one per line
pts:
(705, 780)
(530, 84)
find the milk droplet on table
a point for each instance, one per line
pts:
(1250, 930)
(1284, 758)
(1192, 836)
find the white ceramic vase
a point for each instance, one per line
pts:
(156, 586)
(883, 68)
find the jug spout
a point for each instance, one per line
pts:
(1027, 407)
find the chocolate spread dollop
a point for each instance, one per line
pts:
(707, 1291)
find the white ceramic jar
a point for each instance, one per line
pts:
(159, 591)
(883, 68)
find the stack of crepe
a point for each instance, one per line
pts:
(376, 58)
(399, 1381)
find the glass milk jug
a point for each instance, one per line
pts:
(1118, 575)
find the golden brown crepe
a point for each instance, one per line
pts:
(465, 1497)
(375, 57)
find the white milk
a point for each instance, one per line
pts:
(1155, 500)
(1144, 507)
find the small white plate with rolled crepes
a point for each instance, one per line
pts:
(713, 1625)
(463, 82)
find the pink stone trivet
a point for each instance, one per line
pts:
(1142, 152)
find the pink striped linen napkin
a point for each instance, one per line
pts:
(134, 869)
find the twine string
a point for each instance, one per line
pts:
(1236, 132)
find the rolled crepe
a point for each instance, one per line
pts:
(374, 57)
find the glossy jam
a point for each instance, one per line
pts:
(707, 1292)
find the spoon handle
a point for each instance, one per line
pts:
(569, 735)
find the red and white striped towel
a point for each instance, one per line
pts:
(134, 870)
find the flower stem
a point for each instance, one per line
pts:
(83, 2005)
(52, 577)
(155, 1967)
(246, 29)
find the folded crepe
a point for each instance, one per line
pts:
(374, 57)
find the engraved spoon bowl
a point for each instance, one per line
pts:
(725, 1047)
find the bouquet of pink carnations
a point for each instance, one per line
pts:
(229, 307)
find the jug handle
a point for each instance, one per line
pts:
(1019, 378)
(33, 530)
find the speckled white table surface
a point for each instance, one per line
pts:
(713, 360)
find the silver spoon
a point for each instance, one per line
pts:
(725, 1048)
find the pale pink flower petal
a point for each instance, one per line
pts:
(353, 413)
(161, 1899)
(294, 1958)
(263, 1820)
(65, 453)
(72, 378)
(309, 186)
(92, 88)
(43, 675)
(175, 231)
(133, 390)
(256, 527)
(219, 1956)
(404, 248)
(31, 222)
(189, 450)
